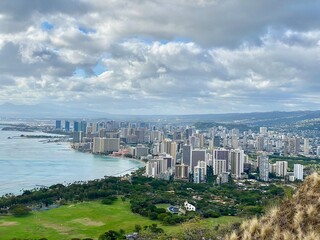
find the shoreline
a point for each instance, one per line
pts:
(107, 155)
(126, 158)
(117, 168)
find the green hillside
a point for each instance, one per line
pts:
(83, 220)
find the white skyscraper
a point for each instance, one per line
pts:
(110, 144)
(237, 162)
(199, 172)
(220, 166)
(298, 171)
(263, 163)
(306, 146)
(96, 145)
(318, 151)
(281, 168)
(182, 171)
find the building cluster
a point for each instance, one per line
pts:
(186, 153)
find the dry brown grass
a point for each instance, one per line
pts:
(88, 222)
(296, 218)
(7, 224)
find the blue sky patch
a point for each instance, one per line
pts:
(98, 69)
(47, 26)
(86, 30)
(79, 72)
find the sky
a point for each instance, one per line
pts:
(161, 57)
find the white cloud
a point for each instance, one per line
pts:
(161, 56)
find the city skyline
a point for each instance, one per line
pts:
(141, 57)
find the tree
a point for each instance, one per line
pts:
(110, 235)
(19, 210)
(137, 228)
(153, 215)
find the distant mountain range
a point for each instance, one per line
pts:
(45, 110)
(52, 111)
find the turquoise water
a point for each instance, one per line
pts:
(27, 163)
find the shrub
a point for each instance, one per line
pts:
(109, 200)
(19, 210)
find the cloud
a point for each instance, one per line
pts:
(161, 57)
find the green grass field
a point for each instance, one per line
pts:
(89, 219)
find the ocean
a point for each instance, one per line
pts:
(27, 163)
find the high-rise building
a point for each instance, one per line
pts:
(220, 166)
(263, 163)
(67, 126)
(236, 156)
(294, 145)
(199, 172)
(173, 150)
(182, 171)
(306, 146)
(112, 134)
(188, 132)
(298, 171)
(281, 168)
(96, 147)
(318, 151)
(76, 126)
(260, 143)
(159, 165)
(58, 124)
(193, 141)
(83, 126)
(196, 156)
(77, 137)
(201, 141)
(111, 144)
(153, 168)
(156, 148)
(170, 161)
(221, 154)
(141, 151)
(186, 155)
(167, 145)
(105, 145)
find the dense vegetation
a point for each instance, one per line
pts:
(144, 193)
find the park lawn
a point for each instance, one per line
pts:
(163, 205)
(88, 219)
(81, 220)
